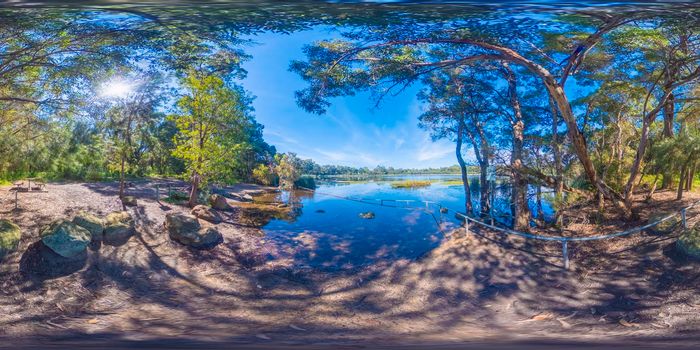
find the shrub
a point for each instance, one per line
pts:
(305, 182)
(263, 175)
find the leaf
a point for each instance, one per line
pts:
(92, 321)
(262, 336)
(626, 323)
(542, 317)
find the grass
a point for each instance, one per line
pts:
(411, 184)
(454, 182)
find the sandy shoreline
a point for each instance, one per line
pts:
(468, 289)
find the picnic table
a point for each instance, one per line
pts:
(19, 185)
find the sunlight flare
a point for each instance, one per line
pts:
(117, 88)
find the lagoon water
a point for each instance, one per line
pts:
(327, 232)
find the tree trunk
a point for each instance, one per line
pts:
(195, 188)
(484, 188)
(121, 176)
(540, 212)
(691, 178)
(556, 149)
(519, 207)
(681, 183)
(650, 195)
(463, 168)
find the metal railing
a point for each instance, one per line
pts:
(564, 240)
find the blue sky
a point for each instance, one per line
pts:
(353, 132)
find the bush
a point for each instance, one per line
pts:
(263, 175)
(305, 182)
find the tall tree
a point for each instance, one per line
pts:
(212, 121)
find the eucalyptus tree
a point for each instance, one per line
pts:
(212, 120)
(127, 115)
(655, 65)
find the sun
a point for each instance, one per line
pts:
(116, 88)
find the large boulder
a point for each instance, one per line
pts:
(9, 237)
(205, 213)
(218, 202)
(664, 227)
(66, 238)
(90, 222)
(689, 242)
(41, 261)
(119, 227)
(186, 230)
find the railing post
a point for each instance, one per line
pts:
(466, 225)
(565, 253)
(685, 225)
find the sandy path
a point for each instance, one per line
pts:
(469, 289)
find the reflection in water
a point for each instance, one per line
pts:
(324, 230)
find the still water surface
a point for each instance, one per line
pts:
(327, 232)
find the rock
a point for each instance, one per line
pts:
(9, 237)
(210, 237)
(91, 223)
(689, 242)
(66, 238)
(205, 213)
(119, 227)
(186, 230)
(176, 224)
(218, 202)
(367, 215)
(40, 261)
(129, 201)
(664, 227)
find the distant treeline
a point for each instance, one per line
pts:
(309, 167)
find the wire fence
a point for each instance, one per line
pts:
(395, 203)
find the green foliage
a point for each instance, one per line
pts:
(411, 184)
(264, 175)
(307, 182)
(213, 127)
(288, 169)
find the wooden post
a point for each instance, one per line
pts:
(683, 221)
(565, 253)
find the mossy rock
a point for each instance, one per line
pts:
(689, 242)
(90, 222)
(10, 235)
(185, 229)
(205, 213)
(119, 227)
(66, 238)
(218, 202)
(664, 227)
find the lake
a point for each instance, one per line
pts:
(327, 232)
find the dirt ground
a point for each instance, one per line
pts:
(480, 288)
